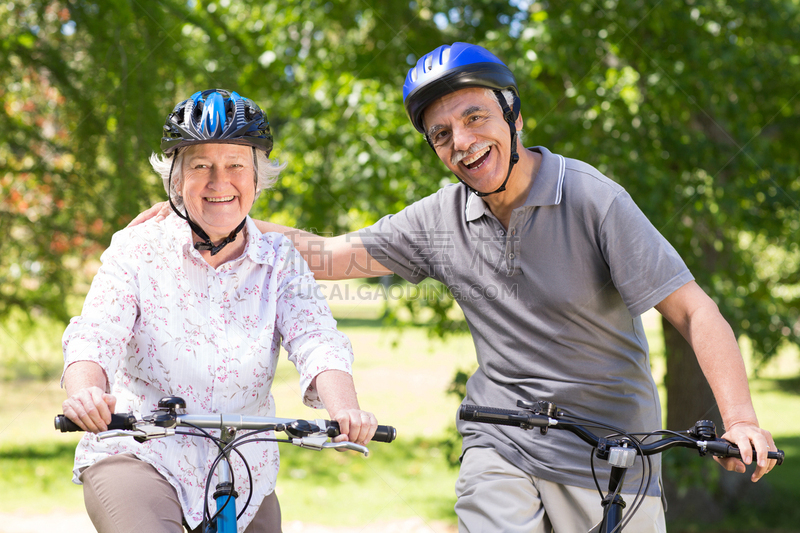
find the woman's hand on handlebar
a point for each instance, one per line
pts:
(356, 426)
(747, 436)
(90, 408)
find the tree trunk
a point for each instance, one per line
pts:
(689, 398)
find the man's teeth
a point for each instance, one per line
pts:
(220, 199)
(474, 157)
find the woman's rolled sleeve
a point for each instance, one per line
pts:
(310, 337)
(102, 331)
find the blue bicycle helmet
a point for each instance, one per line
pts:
(451, 68)
(216, 116)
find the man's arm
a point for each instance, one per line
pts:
(695, 315)
(341, 257)
(331, 258)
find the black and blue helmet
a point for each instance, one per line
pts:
(216, 116)
(450, 68)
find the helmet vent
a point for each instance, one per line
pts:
(429, 63)
(216, 115)
(445, 55)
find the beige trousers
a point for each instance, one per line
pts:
(123, 494)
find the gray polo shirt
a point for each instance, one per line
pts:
(553, 305)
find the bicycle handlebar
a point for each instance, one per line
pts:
(222, 421)
(701, 437)
(169, 416)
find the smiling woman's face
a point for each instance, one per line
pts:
(218, 186)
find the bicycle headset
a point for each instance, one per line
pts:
(451, 68)
(214, 116)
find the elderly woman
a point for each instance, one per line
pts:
(197, 305)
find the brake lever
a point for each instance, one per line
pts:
(103, 435)
(320, 442)
(140, 434)
(345, 445)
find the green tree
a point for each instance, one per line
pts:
(81, 98)
(692, 106)
(693, 109)
(86, 87)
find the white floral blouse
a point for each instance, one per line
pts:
(161, 321)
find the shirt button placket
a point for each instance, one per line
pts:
(216, 331)
(512, 245)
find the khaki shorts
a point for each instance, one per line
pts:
(494, 495)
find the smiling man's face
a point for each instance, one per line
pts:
(471, 137)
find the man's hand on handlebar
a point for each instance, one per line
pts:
(160, 211)
(90, 408)
(748, 436)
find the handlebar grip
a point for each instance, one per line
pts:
(723, 448)
(66, 425)
(382, 434)
(385, 434)
(502, 417)
(778, 455)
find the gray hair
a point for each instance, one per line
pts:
(509, 96)
(267, 172)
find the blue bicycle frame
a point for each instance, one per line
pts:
(225, 496)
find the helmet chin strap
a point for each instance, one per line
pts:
(510, 116)
(205, 243)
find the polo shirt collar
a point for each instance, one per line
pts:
(546, 189)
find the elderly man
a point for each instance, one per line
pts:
(553, 265)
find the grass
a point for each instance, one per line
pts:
(398, 481)
(36, 478)
(35, 461)
(400, 377)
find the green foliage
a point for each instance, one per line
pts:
(79, 92)
(28, 349)
(429, 303)
(85, 88)
(692, 107)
